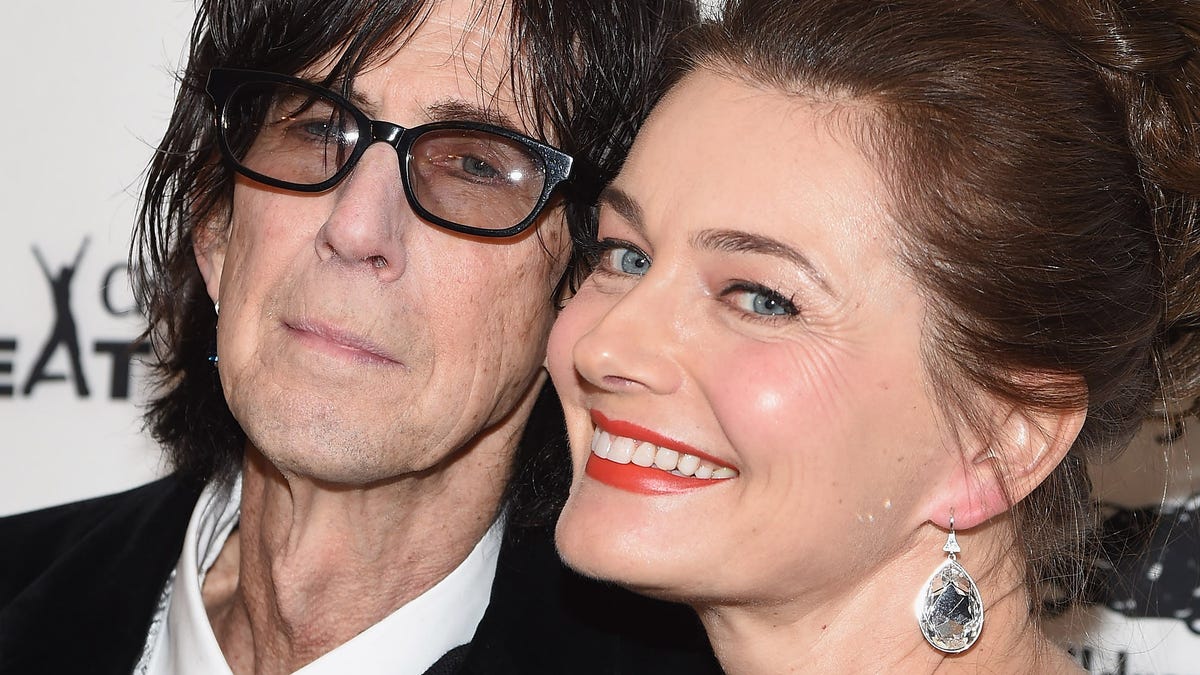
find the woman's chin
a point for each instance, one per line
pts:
(648, 557)
(595, 545)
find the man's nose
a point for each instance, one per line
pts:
(370, 215)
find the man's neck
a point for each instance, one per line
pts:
(310, 567)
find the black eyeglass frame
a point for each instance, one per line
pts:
(223, 82)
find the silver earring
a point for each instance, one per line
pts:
(217, 307)
(950, 609)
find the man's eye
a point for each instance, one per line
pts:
(479, 168)
(627, 260)
(324, 132)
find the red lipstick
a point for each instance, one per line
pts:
(640, 479)
(638, 433)
(644, 480)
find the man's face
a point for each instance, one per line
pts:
(358, 342)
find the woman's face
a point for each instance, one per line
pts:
(750, 334)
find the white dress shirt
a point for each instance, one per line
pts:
(409, 640)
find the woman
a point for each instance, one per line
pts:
(876, 282)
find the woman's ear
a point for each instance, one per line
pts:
(1025, 446)
(208, 245)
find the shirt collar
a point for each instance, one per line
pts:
(409, 640)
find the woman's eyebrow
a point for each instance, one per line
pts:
(726, 240)
(739, 241)
(625, 206)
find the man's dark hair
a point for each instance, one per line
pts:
(586, 74)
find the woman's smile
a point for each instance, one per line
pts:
(634, 458)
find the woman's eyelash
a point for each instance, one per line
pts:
(594, 253)
(589, 251)
(592, 250)
(764, 304)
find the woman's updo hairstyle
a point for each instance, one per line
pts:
(1043, 160)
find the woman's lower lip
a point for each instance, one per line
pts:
(640, 479)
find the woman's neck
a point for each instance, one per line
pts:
(870, 626)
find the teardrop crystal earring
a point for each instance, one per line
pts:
(949, 608)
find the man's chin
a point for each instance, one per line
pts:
(325, 459)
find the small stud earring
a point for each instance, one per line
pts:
(949, 608)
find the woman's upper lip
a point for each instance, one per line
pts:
(341, 336)
(640, 433)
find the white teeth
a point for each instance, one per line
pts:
(621, 450)
(666, 459)
(603, 443)
(688, 464)
(644, 455)
(625, 450)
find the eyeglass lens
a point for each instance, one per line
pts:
(469, 177)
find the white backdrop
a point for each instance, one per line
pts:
(88, 89)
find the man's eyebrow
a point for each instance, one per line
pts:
(625, 206)
(461, 111)
(449, 110)
(738, 241)
(360, 99)
(363, 102)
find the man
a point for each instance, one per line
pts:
(350, 278)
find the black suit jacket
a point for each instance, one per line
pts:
(79, 585)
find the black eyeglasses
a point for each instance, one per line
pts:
(468, 177)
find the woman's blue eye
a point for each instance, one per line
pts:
(762, 301)
(766, 304)
(628, 261)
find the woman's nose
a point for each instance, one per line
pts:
(631, 348)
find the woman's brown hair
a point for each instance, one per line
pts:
(1044, 163)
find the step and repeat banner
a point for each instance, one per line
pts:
(88, 90)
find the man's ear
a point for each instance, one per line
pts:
(208, 245)
(1025, 446)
